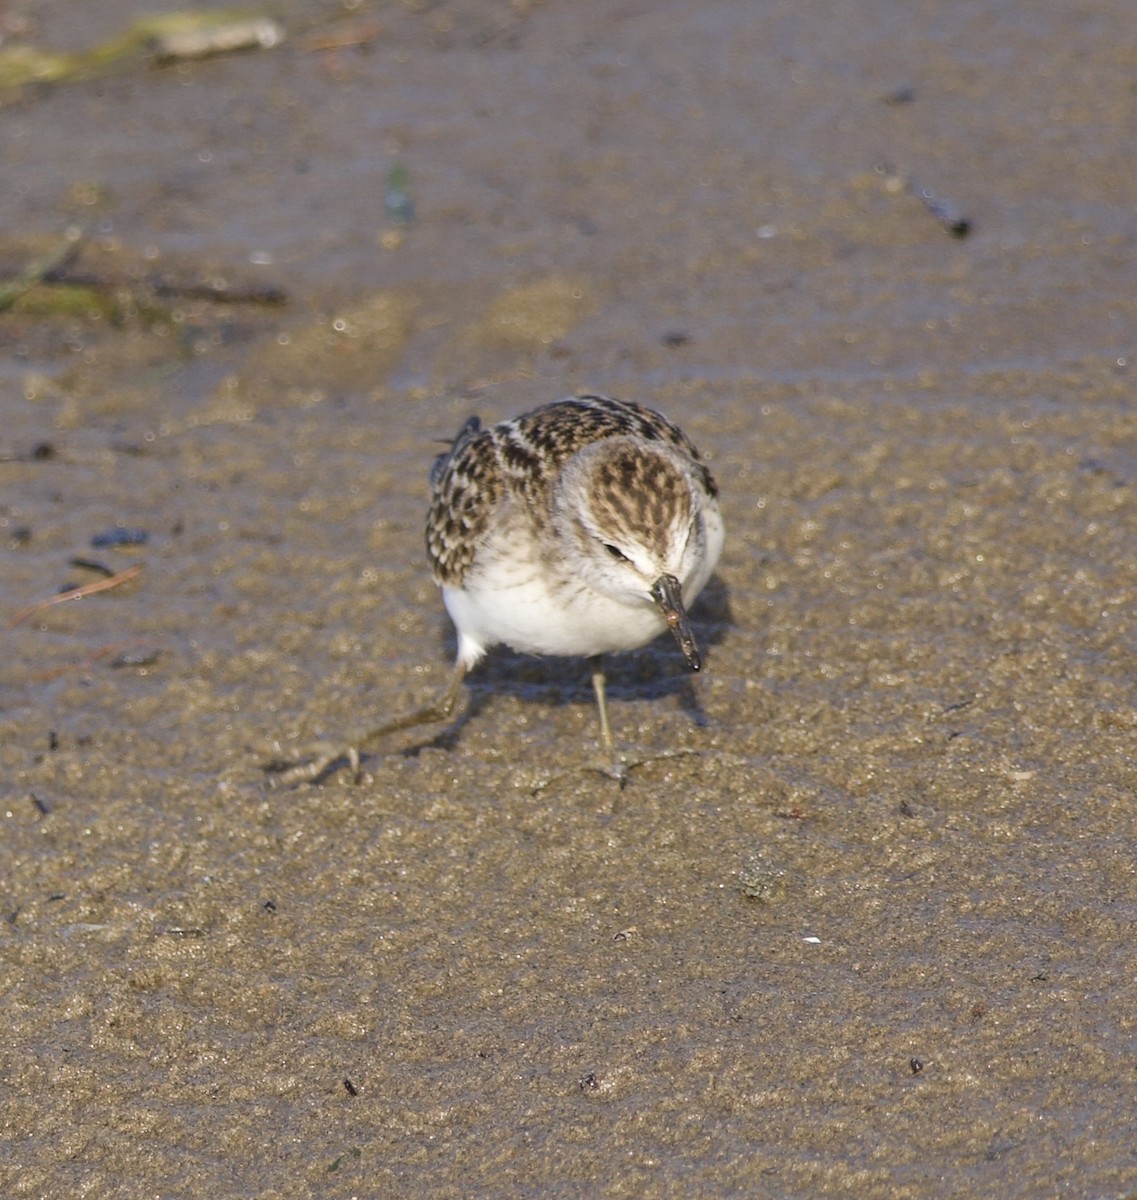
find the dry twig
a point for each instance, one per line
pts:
(88, 589)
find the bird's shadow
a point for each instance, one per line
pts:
(655, 671)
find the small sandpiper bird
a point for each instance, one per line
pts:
(584, 527)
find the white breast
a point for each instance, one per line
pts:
(527, 616)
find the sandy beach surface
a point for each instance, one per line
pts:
(861, 923)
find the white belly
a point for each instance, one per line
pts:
(525, 616)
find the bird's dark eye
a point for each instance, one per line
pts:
(616, 553)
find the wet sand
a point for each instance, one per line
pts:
(861, 922)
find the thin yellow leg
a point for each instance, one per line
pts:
(438, 709)
(616, 770)
(317, 759)
(597, 664)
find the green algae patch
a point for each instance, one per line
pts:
(167, 36)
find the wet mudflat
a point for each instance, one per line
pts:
(861, 923)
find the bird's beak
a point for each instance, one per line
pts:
(668, 596)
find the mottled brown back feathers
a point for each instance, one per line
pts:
(522, 458)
